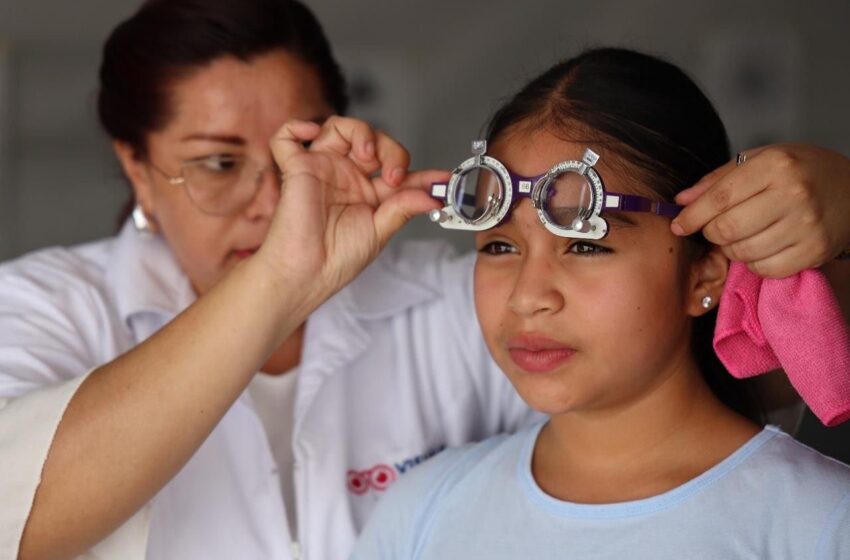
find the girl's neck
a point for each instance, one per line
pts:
(672, 434)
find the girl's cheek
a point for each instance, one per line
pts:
(490, 301)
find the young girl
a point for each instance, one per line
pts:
(647, 452)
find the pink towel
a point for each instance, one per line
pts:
(792, 323)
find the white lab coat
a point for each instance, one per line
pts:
(393, 369)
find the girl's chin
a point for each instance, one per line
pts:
(547, 397)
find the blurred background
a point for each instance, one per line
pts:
(430, 73)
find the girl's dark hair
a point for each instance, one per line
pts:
(167, 39)
(655, 118)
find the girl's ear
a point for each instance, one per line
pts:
(707, 278)
(136, 171)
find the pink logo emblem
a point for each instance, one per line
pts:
(378, 478)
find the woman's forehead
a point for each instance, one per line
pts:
(230, 96)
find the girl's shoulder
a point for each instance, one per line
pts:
(403, 517)
(805, 495)
(799, 466)
(454, 468)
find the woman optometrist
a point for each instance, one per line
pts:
(126, 429)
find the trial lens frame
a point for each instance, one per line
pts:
(589, 223)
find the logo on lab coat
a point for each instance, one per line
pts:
(380, 477)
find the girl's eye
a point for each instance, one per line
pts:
(497, 248)
(587, 248)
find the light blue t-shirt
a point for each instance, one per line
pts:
(773, 498)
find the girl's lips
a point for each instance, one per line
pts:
(538, 354)
(540, 360)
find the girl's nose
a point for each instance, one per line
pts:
(535, 289)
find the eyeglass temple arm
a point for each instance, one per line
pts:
(634, 203)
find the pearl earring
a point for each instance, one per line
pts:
(707, 302)
(140, 220)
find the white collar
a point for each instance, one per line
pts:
(384, 289)
(145, 277)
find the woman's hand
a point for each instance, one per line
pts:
(787, 208)
(341, 200)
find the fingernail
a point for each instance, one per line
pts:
(677, 228)
(369, 149)
(396, 175)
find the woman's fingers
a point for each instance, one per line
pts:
(783, 210)
(731, 189)
(411, 199)
(397, 210)
(370, 150)
(394, 158)
(422, 180)
(781, 264)
(747, 218)
(347, 137)
(417, 180)
(770, 241)
(720, 190)
(692, 193)
(289, 140)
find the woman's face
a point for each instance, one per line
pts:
(580, 326)
(226, 108)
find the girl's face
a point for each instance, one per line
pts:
(581, 326)
(226, 108)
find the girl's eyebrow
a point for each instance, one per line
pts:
(221, 138)
(620, 219)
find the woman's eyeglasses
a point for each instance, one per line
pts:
(219, 185)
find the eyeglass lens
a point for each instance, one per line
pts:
(476, 189)
(220, 185)
(568, 201)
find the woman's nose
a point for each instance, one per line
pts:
(267, 196)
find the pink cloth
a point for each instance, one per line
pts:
(792, 323)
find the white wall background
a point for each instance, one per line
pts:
(437, 69)
(776, 69)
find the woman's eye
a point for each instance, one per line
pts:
(497, 248)
(220, 164)
(586, 248)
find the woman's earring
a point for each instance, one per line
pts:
(707, 302)
(140, 220)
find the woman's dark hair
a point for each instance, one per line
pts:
(168, 39)
(652, 116)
